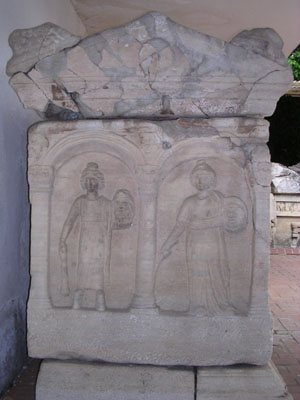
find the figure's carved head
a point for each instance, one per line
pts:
(92, 178)
(203, 177)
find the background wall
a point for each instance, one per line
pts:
(14, 208)
(220, 18)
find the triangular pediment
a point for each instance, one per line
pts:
(152, 67)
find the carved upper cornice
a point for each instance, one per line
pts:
(152, 67)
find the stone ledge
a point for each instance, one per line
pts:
(241, 383)
(83, 381)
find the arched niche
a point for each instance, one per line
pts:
(218, 248)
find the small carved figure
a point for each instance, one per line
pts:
(201, 221)
(98, 216)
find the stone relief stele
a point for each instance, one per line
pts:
(150, 239)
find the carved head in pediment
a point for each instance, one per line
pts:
(92, 179)
(203, 177)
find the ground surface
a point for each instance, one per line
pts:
(284, 297)
(285, 303)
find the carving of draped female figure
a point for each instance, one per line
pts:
(196, 279)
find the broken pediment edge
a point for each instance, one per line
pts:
(32, 44)
(154, 67)
(263, 41)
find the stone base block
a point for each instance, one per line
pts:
(80, 381)
(61, 380)
(143, 337)
(241, 383)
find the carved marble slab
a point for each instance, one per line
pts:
(150, 67)
(149, 241)
(287, 205)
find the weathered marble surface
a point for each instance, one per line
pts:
(31, 45)
(295, 167)
(284, 179)
(77, 381)
(150, 241)
(82, 381)
(151, 67)
(241, 383)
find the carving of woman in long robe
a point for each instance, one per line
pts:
(200, 221)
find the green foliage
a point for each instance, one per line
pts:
(284, 142)
(294, 61)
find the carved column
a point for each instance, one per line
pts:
(144, 286)
(40, 180)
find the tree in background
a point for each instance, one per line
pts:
(294, 61)
(284, 142)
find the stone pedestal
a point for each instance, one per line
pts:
(81, 381)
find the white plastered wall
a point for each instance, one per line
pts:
(14, 208)
(220, 18)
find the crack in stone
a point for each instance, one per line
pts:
(80, 77)
(42, 43)
(150, 83)
(175, 77)
(253, 85)
(111, 52)
(200, 108)
(38, 86)
(51, 100)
